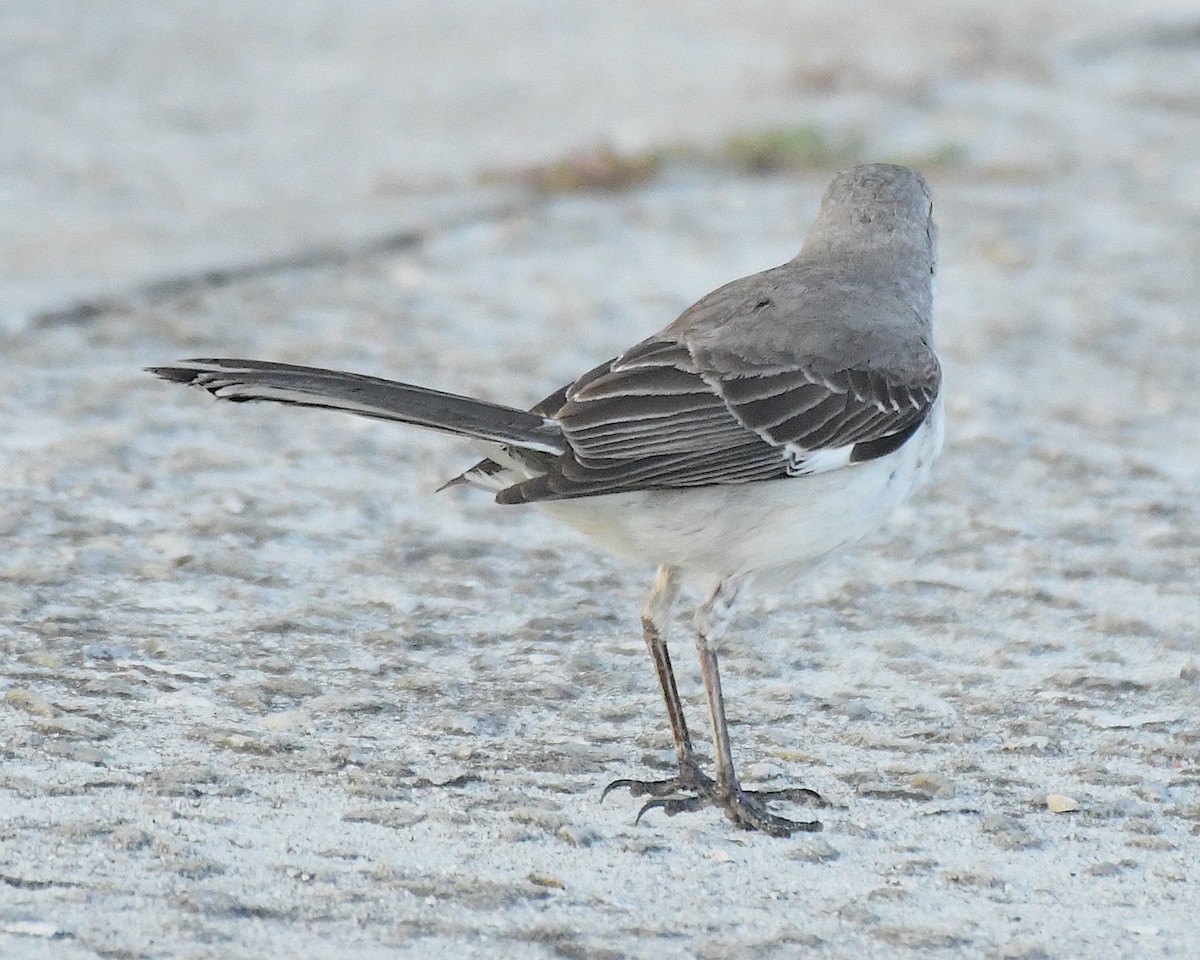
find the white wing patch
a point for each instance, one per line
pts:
(802, 463)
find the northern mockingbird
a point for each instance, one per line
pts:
(777, 420)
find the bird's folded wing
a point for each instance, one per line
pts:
(652, 419)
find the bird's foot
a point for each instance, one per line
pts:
(745, 808)
(690, 780)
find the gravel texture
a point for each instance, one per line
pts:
(266, 694)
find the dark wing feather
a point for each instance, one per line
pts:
(652, 420)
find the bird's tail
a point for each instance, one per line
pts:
(245, 380)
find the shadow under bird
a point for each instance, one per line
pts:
(780, 418)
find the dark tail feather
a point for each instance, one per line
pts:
(245, 380)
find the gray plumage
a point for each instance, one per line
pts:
(822, 362)
(777, 420)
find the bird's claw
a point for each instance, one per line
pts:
(672, 805)
(745, 808)
(695, 782)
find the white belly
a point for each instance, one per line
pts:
(784, 526)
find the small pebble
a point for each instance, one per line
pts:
(812, 849)
(1059, 803)
(30, 702)
(577, 836)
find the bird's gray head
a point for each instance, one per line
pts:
(875, 208)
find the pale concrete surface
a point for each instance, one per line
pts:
(148, 139)
(266, 695)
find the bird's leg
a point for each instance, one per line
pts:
(655, 617)
(746, 809)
